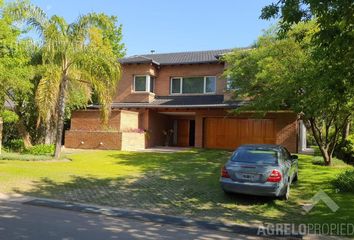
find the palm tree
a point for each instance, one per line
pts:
(81, 56)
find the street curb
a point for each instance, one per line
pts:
(147, 216)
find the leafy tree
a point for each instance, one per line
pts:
(284, 73)
(334, 39)
(75, 57)
(15, 70)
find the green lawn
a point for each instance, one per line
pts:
(184, 183)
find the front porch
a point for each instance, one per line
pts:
(136, 128)
(169, 128)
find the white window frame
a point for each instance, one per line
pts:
(205, 79)
(147, 84)
(181, 86)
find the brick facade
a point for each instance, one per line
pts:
(125, 89)
(285, 124)
(162, 76)
(87, 131)
(93, 139)
(86, 126)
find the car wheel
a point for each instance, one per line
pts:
(227, 193)
(286, 194)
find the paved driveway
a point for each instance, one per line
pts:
(18, 221)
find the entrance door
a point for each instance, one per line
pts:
(183, 133)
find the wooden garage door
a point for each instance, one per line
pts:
(229, 133)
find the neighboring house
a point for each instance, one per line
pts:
(179, 99)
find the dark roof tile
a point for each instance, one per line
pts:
(200, 101)
(177, 58)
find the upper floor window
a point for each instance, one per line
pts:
(193, 85)
(143, 83)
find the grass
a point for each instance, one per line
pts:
(183, 183)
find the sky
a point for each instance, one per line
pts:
(173, 25)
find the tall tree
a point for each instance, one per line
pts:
(80, 55)
(285, 73)
(333, 42)
(334, 39)
(15, 70)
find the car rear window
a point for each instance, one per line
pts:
(255, 156)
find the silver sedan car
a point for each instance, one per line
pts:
(260, 169)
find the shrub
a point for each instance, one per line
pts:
(15, 145)
(345, 150)
(24, 157)
(40, 149)
(310, 139)
(318, 160)
(345, 181)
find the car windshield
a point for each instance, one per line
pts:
(260, 156)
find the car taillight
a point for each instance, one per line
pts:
(224, 172)
(275, 176)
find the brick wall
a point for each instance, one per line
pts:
(125, 86)
(92, 139)
(162, 79)
(166, 72)
(87, 132)
(140, 97)
(91, 120)
(287, 132)
(198, 140)
(157, 123)
(93, 136)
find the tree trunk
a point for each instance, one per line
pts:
(50, 130)
(61, 113)
(47, 131)
(346, 131)
(327, 156)
(24, 133)
(48, 134)
(325, 151)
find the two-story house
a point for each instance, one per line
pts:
(179, 99)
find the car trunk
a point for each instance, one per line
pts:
(250, 172)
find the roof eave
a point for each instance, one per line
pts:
(169, 106)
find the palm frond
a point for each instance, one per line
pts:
(32, 15)
(103, 72)
(79, 94)
(60, 23)
(48, 91)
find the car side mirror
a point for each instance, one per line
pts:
(294, 157)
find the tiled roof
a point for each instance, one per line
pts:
(200, 101)
(177, 58)
(189, 100)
